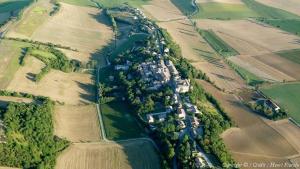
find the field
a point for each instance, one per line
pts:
(292, 55)
(9, 60)
(253, 140)
(162, 10)
(251, 38)
(119, 121)
(249, 77)
(89, 23)
(224, 11)
(106, 3)
(268, 11)
(221, 1)
(286, 95)
(202, 56)
(71, 88)
(77, 123)
(32, 18)
(11, 8)
(127, 155)
(218, 44)
(292, 6)
(269, 67)
(185, 6)
(292, 25)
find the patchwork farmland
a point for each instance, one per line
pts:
(240, 45)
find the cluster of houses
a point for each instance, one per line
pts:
(162, 72)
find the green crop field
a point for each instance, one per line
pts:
(292, 55)
(185, 6)
(289, 25)
(275, 17)
(119, 122)
(213, 10)
(287, 96)
(12, 5)
(249, 77)
(10, 8)
(218, 44)
(269, 12)
(105, 3)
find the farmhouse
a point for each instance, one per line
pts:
(121, 67)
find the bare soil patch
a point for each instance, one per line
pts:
(254, 140)
(221, 1)
(8, 168)
(77, 123)
(109, 155)
(82, 28)
(251, 38)
(70, 88)
(265, 71)
(292, 6)
(202, 56)
(163, 10)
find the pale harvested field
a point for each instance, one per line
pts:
(202, 56)
(292, 6)
(82, 28)
(163, 10)
(251, 38)
(261, 69)
(70, 88)
(109, 155)
(254, 140)
(221, 1)
(77, 123)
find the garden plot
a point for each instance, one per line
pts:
(251, 38)
(292, 6)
